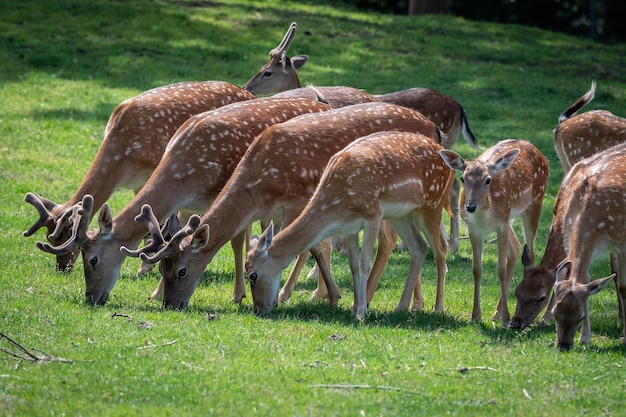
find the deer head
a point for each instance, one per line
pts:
(280, 72)
(572, 303)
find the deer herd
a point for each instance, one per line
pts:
(316, 163)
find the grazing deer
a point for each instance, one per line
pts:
(397, 176)
(274, 181)
(577, 137)
(197, 163)
(593, 223)
(280, 74)
(580, 136)
(135, 138)
(506, 181)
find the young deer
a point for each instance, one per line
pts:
(593, 222)
(135, 138)
(273, 181)
(575, 138)
(280, 74)
(197, 163)
(580, 136)
(397, 176)
(508, 180)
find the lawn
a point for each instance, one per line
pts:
(66, 65)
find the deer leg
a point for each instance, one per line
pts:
(620, 285)
(287, 290)
(530, 223)
(333, 290)
(360, 275)
(321, 291)
(508, 247)
(352, 243)
(615, 270)
(477, 271)
(237, 243)
(417, 248)
(439, 246)
(387, 238)
(454, 218)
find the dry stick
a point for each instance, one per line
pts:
(29, 355)
(352, 386)
(156, 346)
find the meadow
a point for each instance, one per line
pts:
(66, 65)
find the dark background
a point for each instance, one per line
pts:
(602, 20)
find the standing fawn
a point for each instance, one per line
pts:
(197, 163)
(577, 137)
(507, 181)
(280, 74)
(135, 138)
(397, 176)
(274, 181)
(593, 223)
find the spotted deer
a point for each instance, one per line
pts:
(576, 137)
(280, 74)
(273, 182)
(397, 176)
(506, 181)
(580, 136)
(593, 221)
(196, 165)
(135, 138)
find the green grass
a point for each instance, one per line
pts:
(65, 65)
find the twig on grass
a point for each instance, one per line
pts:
(156, 346)
(30, 355)
(464, 369)
(354, 386)
(126, 316)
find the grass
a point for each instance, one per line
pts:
(64, 67)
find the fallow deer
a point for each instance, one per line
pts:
(577, 137)
(397, 176)
(197, 162)
(580, 136)
(273, 181)
(506, 181)
(593, 221)
(280, 74)
(134, 140)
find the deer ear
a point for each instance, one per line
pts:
(200, 238)
(265, 240)
(105, 220)
(298, 61)
(562, 272)
(527, 258)
(453, 160)
(598, 285)
(505, 160)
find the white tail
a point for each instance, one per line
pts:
(198, 162)
(274, 181)
(508, 180)
(134, 141)
(592, 221)
(580, 136)
(397, 176)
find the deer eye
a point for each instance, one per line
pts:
(252, 276)
(267, 73)
(488, 181)
(93, 261)
(541, 300)
(182, 272)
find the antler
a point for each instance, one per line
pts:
(79, 215)
(278, 54)
(158, 243)
(44, 207)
